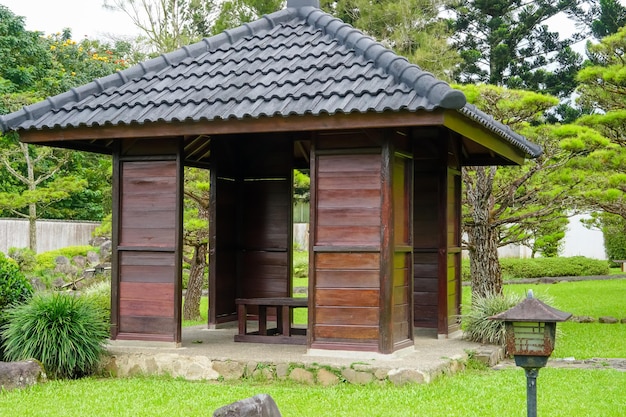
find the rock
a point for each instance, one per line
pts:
(229, 370)
(327, 378)
(263, 374)
(303, 376)
(261, 405)
(38, 284)
(623, 321)
(105, 251)
(583, 319)
(79, 261)
(250, 368)
(21, 374)
(405, 376)
(61, 260)
(282, 370)
(607, 320)
(58, 283)
(93, 258)
(357, 377)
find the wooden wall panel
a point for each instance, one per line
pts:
(348, 200)
(147, 245)
(426, 243)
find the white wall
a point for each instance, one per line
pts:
(51, 234)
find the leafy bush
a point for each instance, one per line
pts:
(300, 264)
(575, 266)
(516, 268)
(46, 260)
(14, 289)
(24, 257)
(476, 324)
(64, 332)
(99, 294)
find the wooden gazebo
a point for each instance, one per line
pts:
(384, 142)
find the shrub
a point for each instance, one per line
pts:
(64, 332)
(575, 266)
(46, 261)
(99, 294)
(300, 264)
(24, 257)
(476, 324)
(14, 289)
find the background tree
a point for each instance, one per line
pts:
(166, 25)
(41, 181)
(504, 42)
(234, 13)
(505, 205)
(196, 237)
(603, 87)
(412, 28)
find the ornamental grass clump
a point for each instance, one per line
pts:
(476, 323)
(64, 332)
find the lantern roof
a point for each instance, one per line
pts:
(532, 309)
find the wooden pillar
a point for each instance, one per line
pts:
(147, 241)
(359, 289)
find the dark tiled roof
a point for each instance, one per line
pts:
(293, 62)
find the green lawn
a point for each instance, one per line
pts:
(583, 298)
(570, 393)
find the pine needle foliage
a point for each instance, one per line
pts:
(64, 332)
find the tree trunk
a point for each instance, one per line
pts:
(32, 227)
(482, 234)
(191, 309)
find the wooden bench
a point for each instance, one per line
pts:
(283, 333)
(623, 262)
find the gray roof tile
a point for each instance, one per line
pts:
(293, 62)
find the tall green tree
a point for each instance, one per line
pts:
(507, 42)
(603, 87)
(412, 28)
(233, 13)
(42, 181)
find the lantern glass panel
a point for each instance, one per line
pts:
(529, 337)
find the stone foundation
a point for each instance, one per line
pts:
(203, 368)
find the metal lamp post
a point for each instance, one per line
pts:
(530, 336)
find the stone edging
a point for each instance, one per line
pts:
(203, 368)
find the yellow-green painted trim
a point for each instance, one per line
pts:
(468, 128)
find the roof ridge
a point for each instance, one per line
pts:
(425, 84)
(164, 60)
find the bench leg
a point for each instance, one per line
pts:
(286, 320)
(263, 320)
(242, 316)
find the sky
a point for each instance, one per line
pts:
(84, 17)
(89, 18)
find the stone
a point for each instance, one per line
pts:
(302, 375)
(250, 368)
(229, 370)
(106, 249)
(583, 319)
(93, 258)
(79, 261)
(21, 374)
(623, 321)
(327, 378)
(607, 320)
(261, 405)
(61, 260)
(58, 283)
(381, 373)
(264, 374)
(282, 370)
(405, 376)
(38, 284)
(357, 377)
